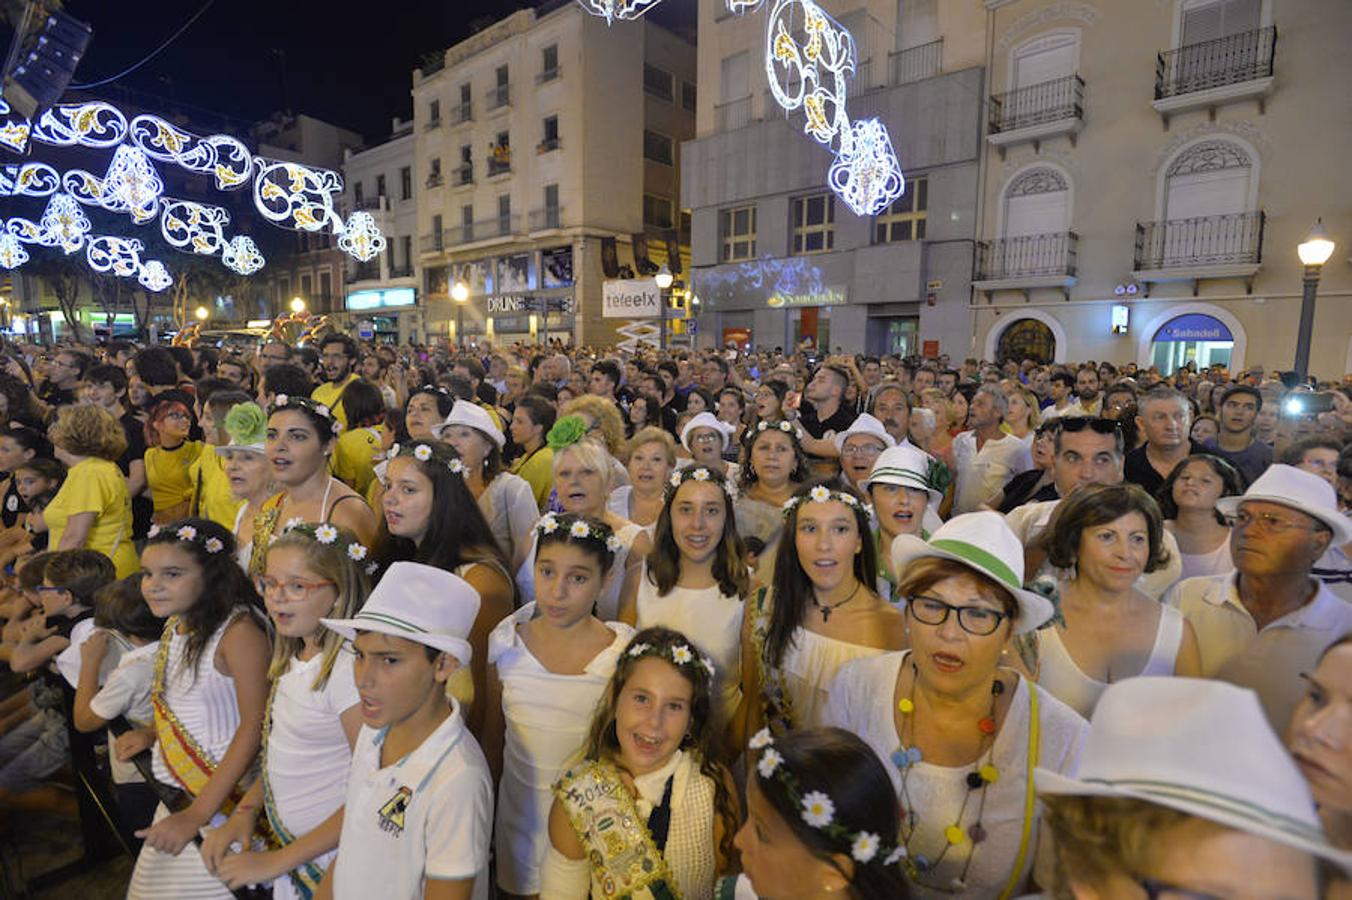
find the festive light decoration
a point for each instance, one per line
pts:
(154, 277)
(120, 256)
(64, 223)
(297, 196)
(132, 185)
(12, 253)
(93, 124)
(219, 155)
(869, 178)
(196, 226)
(610, 10)
(241, 255)
(361, 238)
(28, 180)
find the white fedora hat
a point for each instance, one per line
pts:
(984, 543)
(1199, 746)
(866, 424)
(906, 465)
(472, 415)
(1302, 491)
(420, 603)
(706, 420)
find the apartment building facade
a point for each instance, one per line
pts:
(536, 141)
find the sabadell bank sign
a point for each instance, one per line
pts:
(633, 298)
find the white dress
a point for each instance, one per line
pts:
(618, 503)
(608, 604)
(207, 708)
(810, 663)
(308, 755)
(243, 549)
(508, 503)
(712, 620)
(1058, 673)
(1217, 562)
(862, 702)
(547, 719)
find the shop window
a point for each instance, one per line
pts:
(904, 219)
(737, 229)
(814, 224)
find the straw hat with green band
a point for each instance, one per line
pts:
(982, 542)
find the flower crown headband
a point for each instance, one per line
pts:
(188, 534)
(822, 494)
(783, 425)
(328, 535)
(422, 453)
(286, 401)
(816, 807)
(697, 473)
(582, 530)
(679, 655)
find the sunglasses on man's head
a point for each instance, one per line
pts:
(1097, 424)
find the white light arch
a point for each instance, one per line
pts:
(1000, 327)
(1144, 343)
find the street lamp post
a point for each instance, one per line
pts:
(201, 314)
(664, 280)
(1314, 251)
(298, 305)
(460, 293)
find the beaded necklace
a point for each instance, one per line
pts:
(979, 779)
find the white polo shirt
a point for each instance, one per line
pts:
(1269, 661)
(427, 816)
(982, 473)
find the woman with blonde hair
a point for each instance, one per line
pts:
(605, 427)
(652, 457)
(93, 508)
(1023, 416)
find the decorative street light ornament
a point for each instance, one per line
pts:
(610, 10)
(296, 196)
(12, 253)
(93, 124)
(64, 223)
(196, 226)
(241, 255)
(361, 238)
(866, 173)
(221, 156)
(154, 277)
(28, 180)
(14, 134)
(132, 185)
(120, 256)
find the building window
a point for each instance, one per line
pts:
(380, 185)
(467, 222)
(406, 183)
(306, 283)
(657, 147)
(500, 158)
(737, 229)
(464, 173)
(326, 286)
(504, 214)
(549, 63)
(406, 244)
(357, 193)
(658, 82)
(466, 110)
(656, 211)
(550, 139)
(434, 113)
(551, 196)
(434, 172)
(814, 223)
(687, 96)
(904, 220)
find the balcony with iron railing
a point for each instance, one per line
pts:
(1037, 112)
(1027, 262)
(499, 166)
(733, 114)
(546, 217)
(462, 175)
(432, 242)
(916, 63)
(1199, 248)
(404, 271)
(432, 123)
(483, 230)
(434, 180)
(547, 75)
(1209, 74)
(862, 80)
(377, 203)
(498, 97)
(462, 113)
(364, 271)
(547, 145)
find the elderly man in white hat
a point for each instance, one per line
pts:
(984, 456)
(1264, 624)
(706, 437)
(859, 447)
(1183, 790)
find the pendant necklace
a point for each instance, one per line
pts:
(827, 610)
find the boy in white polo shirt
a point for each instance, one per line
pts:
(419, 810)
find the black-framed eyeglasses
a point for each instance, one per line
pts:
(977, 620)
(1097, 424)
(1162, 890)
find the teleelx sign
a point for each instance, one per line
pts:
(632, 298)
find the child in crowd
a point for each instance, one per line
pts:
(170, 456)
(212, 498)
(209, 689)
(312, 720)
(34, 529)
(38, 476)
(419, 812)
(648, 812)
(550, 662)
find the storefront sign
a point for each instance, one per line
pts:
(632, 298)
(506, 304)
(379, 299)
(825, 297)
(1194, 327)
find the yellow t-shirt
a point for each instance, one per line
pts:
(168, 472)
(352, 457)
(97, 486)
(538, 470)
(215, 502)
(329, 393)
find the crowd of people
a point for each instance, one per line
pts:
(558, 622)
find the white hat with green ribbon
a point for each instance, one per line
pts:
(984, 543)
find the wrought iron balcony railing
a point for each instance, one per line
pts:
(462, 113)
(734, 113)
(463, 175)
(1028, 256)
(916, 63)
(483, 229)
(546, 217)
(547, 75)
(366, 271)
(1233, 59)
(499, 96)
(1038, 104)
(432, 242)
(1229, 240)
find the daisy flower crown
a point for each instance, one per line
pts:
(783, 425)
(580, 529)
(189, 534)
(682, 656)
(286, 401)
(822, 494)
(424, 452)
(698, 473)
(330, 536)
(817, 808)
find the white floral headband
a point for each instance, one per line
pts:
(698, 473)
(679, 655)
(817, 808)
(422, 453)
(328, 535)
(783, 425)
(822, 494)
(582, 530)
(188, 533)
(282, 401)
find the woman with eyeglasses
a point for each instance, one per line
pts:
(1107, 536)
(960, 733)
(169, 455)
(1187, 500)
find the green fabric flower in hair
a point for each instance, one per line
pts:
(246, 423)
(566, 432)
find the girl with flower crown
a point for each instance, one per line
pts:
(820, 611)
(301, 436)
(313, 716)
(694, 580)
(773, 468)
(208, 690)
(648, 813)
(550, 662)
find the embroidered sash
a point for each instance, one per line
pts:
(625, 863)
(265, 523)
(306, 877)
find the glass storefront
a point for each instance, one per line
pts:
(1191, 338)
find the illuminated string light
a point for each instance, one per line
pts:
(154, 277)
(219, 155)
(610, 10)
(64, 223)
(12, 253)
(196, 226)
(14, 134)
(297, 196)
(28, 180)
(868, 178)
(132, 185)
(120, 256)
(93, 124)
(361, 239)
(241, 255)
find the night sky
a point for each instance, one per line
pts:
(346, 62)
